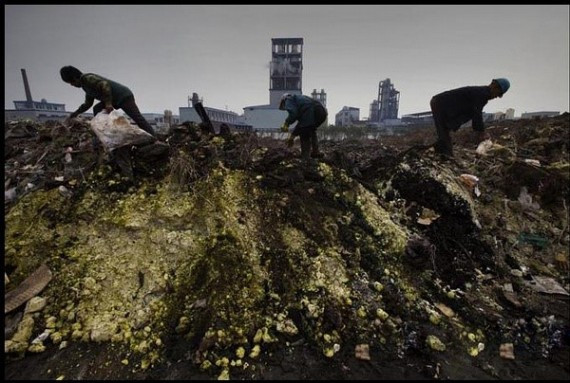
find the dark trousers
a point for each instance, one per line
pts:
(132, 110)
(308, 134)
(443, 144)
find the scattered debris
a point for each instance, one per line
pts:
(471, 182)
(526, 200)
(533, 239)
(65, 191)
(35, 304)
(427, 216)
(448, 312)
(434, 343)
(506, 351)
(484, 147)
(362, 352)
(29, 288)
(546, 285)
(532, 162)
(10, 195)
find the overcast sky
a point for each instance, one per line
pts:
(222, 52)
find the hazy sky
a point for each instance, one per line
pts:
(222, 52)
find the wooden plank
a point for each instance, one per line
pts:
(28, 289)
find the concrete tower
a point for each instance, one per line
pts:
(286, 68)
(388, 101)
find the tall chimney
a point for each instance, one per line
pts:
(27, 88)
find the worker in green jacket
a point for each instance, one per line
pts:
(111, 94)
(310, 114)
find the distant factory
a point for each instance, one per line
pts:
(383, 109)
(40, 111)
(285, 76)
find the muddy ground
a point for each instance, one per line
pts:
(232, 242)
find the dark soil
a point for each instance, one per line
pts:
(453, 249)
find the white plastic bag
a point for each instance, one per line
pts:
(483, 147)
(115, 131)
(526, 200)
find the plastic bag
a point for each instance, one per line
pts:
(532, 162)
(483, 147)
(472, 183)
(526, 200)
(115, 131)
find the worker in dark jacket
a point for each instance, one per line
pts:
(111, 94)
(455, 107)
(310, 114)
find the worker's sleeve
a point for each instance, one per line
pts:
(293, 111)
(85, 106)
(477, 121)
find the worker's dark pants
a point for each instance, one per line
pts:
(443, 144)
(308, 134)
(122, 157)
(132, 110)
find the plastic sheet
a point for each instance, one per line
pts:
(115, 131)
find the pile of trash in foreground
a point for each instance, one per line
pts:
(228, 252)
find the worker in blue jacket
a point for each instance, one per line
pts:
(310, 114)
(453, 108)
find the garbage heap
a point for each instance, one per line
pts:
(238, 249)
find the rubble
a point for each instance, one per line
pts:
(231, 246)
(506, 351)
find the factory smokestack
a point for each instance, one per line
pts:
(27, 88)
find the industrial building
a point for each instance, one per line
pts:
(539, 114)
(348, 116)
(373, 115)
(509, 114)
(285, 76)
(217, 116)
(426, 118)
(161, 123)
(40, 111)
(384, 110)
(421, 118)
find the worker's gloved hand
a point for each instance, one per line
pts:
(290, 141)
(285, 128)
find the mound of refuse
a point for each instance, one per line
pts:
(235, 248)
